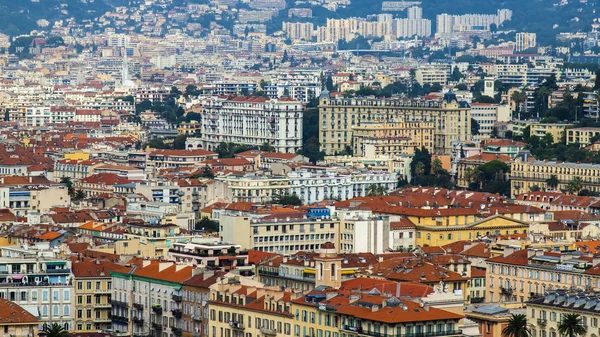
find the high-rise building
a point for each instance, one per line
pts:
(525, 41)
(415, 13)
(298, 30)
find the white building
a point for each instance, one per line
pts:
(487, 115)
(525, 41)
(253, 121)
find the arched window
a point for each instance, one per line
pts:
(333, 271)
(321, 270)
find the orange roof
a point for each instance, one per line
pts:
(12, 313)
(49, 236)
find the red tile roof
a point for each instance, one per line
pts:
(11, 313)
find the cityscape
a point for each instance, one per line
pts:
(303, 168)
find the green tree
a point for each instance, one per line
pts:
(376, 190)
(267, 147)
(474, 127)
(516, 327)
(552, 182)
(436, 166)
(329, 84)
(79, 195)
(571, 325)
(421, 156)
(575, 185)
(179, 142)
(419, 169)
(69, 184)
(206, 172)
(287, 199)
(535, 188)
(519, 98)
(205, 224)
(54, 330)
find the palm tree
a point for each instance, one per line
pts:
(518, 98)
(575, 185)
(571, 325)
(375, 190)
(54, 330)
(69, 183)
(420, 169)
(436, 166)
(552, 182)
(597, 94)
(79, 195)
(516, 326)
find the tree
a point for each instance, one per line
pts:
(179, 142)
(421, 156)
(436, 166)
(552, 182)
(266, 147)
(205, 224)
(456, 75)
(575, 185)
(375, 190)
(206, 172)
(54, 330)
(516, 326)
(69, 184)
(571, 325)
(6, 115)
(287, 199)
(420, 169)
(597, 81)
(535, 188)
(518, 98)
(79, 195)
(474, 127)
(329, 84)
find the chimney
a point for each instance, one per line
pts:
(331, 294)
(596, 260)
(508, 251)
(531, 253)
(353, 298)
(374, 308)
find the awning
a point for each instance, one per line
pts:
(178, 287)
(348, 272)
(16, 277)
(309, 271)
(55, 263)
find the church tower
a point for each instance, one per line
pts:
(328, 267)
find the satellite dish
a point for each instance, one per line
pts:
(482, 206)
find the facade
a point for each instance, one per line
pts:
(525, 41)
(16, 321)
(196, 293)
(487, 115)
(251, 187)
(92, 292)
(546, 312)
(45, 284)
(147, 297)
(541, 129)
(373, 139)
(253, 121)
(451, 119)
(523, 175)
(581, 136)
(162, 159)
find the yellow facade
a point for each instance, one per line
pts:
(314, 322)
(438, 234)
(92, 303)
(582, 136)
(541, 129)
(77, 156)
(397, 137)
(523, 175)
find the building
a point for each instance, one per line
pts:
(147, 297)
(92, 292)
(524, 174)
(168, 159)
(521, 275)
(253, 121)
(582, 136)
(16, 321)
(451, 119)
(394, 138)
(492, 319)
(298, 30)
(210, 255)
(196, 293)
(546, 312)
(251, 187)
(525, 41)
(39, 282)
(236, 310)
(75, 169)
(465, 169)
(487, 115)
(540, 129)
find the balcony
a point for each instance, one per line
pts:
(157, 326)
(138, 321)
(236, 325)
(176, 313)
(267, 331)
(138, 306)
(507, 291)
(177, 331)
(58, 271)
(120, 319)
(176, 298)
(116, 303)
(197, 318)
(542, 321)
(157, 309)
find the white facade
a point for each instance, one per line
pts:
(253, 121)
(314, 187)
(487, 115)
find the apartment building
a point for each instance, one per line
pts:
(39, 282)
(298, 30)
(487, 115)
(540, 129)
(196, 293)
(169, 159)
(582, 136)
(147, 297)
(92, 293)
(212, 255)
(433, 73)
(467, 166)
(524, 174)
(522, 275)
(313, 187)
(16, 321)
(236, 310)
(75, 169)
(299, 271)
(252, 187)
(253, 121)
(525, 41)
(393, 138)
(451, 119)
(546, 312)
